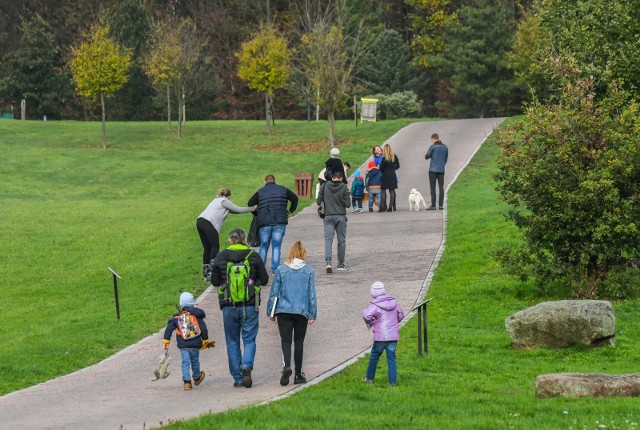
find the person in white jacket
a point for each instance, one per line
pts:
(209, 225)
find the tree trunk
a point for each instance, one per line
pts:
(184, 107)
(104, 123)
(332, 122)
(168, 107)
(179, 118)
(267, 112)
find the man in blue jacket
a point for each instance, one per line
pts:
(438, 153)
(273, 217)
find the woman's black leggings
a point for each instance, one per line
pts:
(210, 240)
(296, 325)
(391, 204)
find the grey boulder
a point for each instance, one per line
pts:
(564, 323)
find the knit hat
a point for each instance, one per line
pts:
(377, 289)
(186, 299)
(372, 164)
(334, 152)
(357, 174)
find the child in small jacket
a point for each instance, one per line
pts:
(191, 336)
(383, 315)
(357, 191)
(372, 182)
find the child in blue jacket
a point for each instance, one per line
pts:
(357, 191)
(373, 183)
(191, 336)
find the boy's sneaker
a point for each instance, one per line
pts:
(200, 379)
(360, 210)
(187, 385)
(246, 377)
(329, 268)
(286, 374)
(300, 379)
(368, 381)
(237, 384)
(354, 210)
(370, 209)
(342, 267)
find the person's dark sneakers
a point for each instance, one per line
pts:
(200, 379)
(187, 385)
(206, 272)
(441, 208)
(246, 377)
(368, 381)
(370, 209)
(431, 208)
(342, 267)
(286, 374)
(329, 268)
(237, 384)
(300, 379)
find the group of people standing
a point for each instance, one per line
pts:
(292, 302)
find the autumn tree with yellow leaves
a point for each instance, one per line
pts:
(100, 67)
(178, 60)
(264, 65)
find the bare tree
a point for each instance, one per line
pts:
(330, 54)
(177, 59)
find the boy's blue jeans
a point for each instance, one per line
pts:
(271, 235)
(190, 361)
(234, 327)
(372, 198)
(376, 352)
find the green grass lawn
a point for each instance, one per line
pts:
(471, 378)
(69, 210)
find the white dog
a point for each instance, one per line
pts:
(415, 198)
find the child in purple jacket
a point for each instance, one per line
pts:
(384, 315)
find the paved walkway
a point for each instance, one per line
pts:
(397, 248)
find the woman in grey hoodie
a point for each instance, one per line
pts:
(209, 225)
(292, 302)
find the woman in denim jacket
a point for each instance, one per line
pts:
(292, 302)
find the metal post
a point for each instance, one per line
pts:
(115, 289)
(420, 330)
(423, 338)
(424, 322)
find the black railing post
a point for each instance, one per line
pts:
(423, 337)
(115, 289)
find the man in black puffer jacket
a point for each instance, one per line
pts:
(240, 319)
(273, 217)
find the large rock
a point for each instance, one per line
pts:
(562, 324)
(587, 385)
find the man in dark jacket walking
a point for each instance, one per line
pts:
(239, 319)
(438, 153)
(336, 198)
(273, 217)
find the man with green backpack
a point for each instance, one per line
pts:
(237, 273)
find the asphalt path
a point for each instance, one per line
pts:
(398, 248)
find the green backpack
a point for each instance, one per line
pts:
(239, 287)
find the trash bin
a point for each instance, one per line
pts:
(304, 184)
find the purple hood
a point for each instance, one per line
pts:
(384, 315)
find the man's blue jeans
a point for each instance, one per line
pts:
(376, 352)
(190, 361)
(271, 235)
(235, 325)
